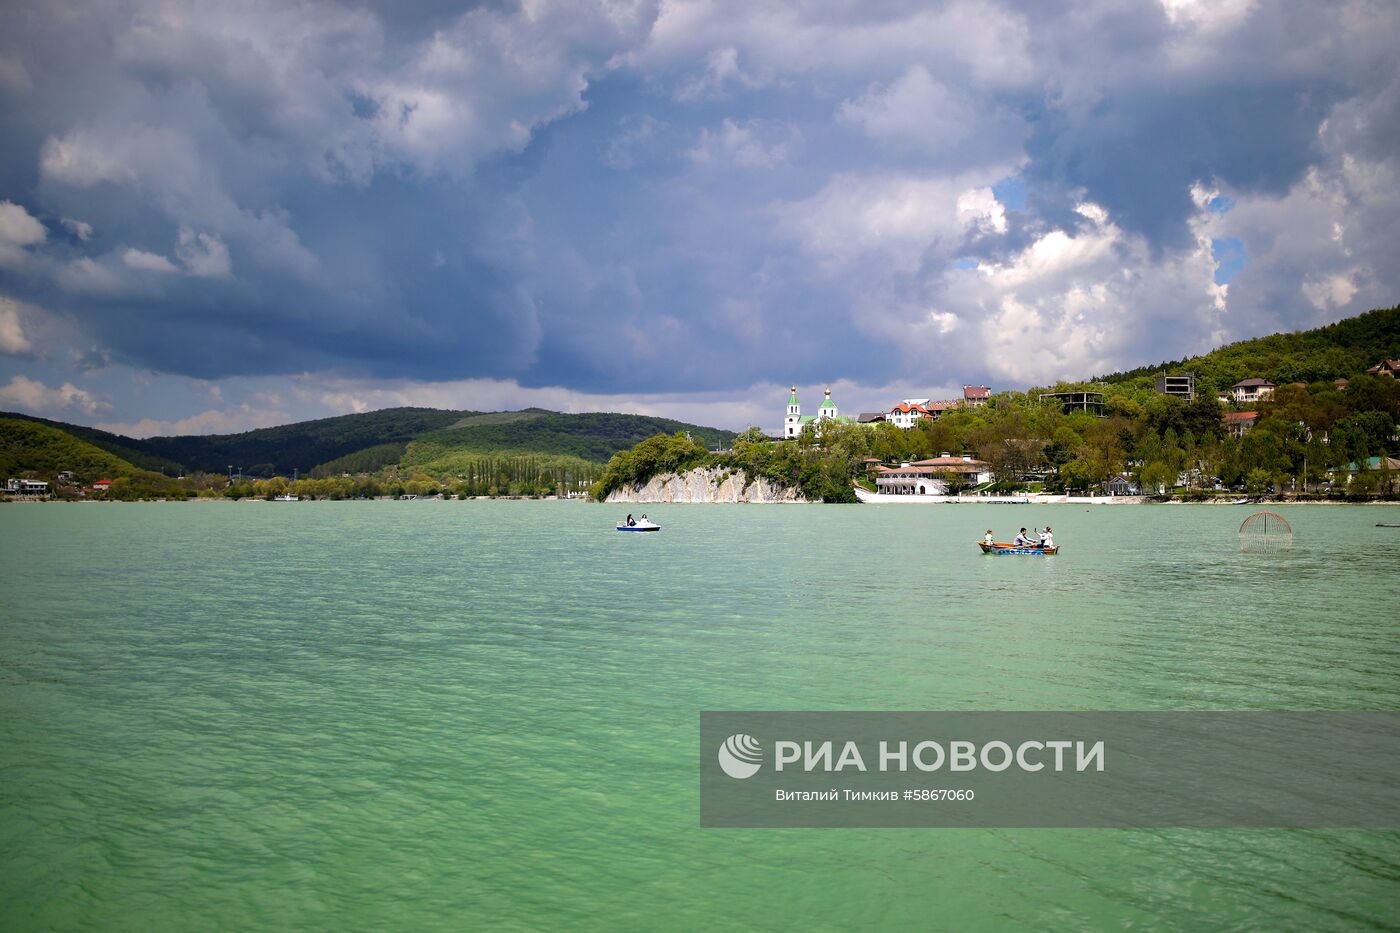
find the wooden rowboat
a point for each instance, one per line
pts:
(1000, 547)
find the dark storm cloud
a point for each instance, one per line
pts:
(626, 197)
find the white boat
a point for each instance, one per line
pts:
(286, 498)
(639, 525)
(1244, 501)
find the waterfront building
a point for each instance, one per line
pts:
(930, 477)
(1389, 368)
(1120, 485)
(26, 487)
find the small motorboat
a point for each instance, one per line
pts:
(639, 525)
(1000, 547)
(1244, 501)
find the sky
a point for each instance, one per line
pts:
(226, 215)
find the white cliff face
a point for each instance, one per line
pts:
(706, 485)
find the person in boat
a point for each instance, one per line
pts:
(1022, 539)
(1047, 540)
(987, 538)
(631, 522)
(644, 518)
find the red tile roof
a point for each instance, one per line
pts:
(976, 392)
(1240, 416)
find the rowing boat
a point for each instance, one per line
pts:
(1000, 547)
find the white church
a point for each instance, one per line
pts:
(794, 421)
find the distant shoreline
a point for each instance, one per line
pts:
(907, 500)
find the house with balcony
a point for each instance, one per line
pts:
(976, 396)
(1251, 390)
(908, 413)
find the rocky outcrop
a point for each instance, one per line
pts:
(706, 485)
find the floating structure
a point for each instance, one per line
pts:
(1265, 532)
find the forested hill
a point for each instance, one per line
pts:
(302, 445)
(595, 436)
(1336, 351)
(424, 438)
(30, 447)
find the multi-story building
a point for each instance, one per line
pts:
(1182, 385)
(976, 396)
(908, 413)
(1251, 390)
(1089, 402)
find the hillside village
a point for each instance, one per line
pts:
(1303, 415)
(1240, 406)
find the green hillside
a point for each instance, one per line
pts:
(595, 436)
(31, 449)
(126, 448)
(299, 446)
(1338, 350)
(425, 439)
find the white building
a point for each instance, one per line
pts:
(794, 421)
(930, 477)
(908, 413)
(26, 487)
(1251, 390)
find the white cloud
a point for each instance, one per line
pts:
(13, 340)
(1207, 15)
(34, 397)
(83, 158)
(90, 277)
(747, 144)
(898, 218)
(147, 262)
(214, 421)
(722, 75)
(983, 42)
(203, 254)
(980, 210)
(81, 230)
(18, 230)
(1331, 292)
(918, 113)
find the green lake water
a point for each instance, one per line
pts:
(484, 715)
